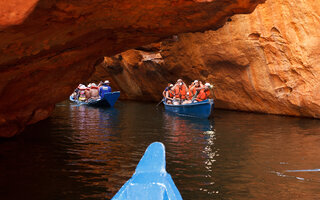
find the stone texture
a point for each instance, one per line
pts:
(48, 46)
(267, 61)
(139, 75)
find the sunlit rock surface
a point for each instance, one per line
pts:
(267, 61)
(138, 74)
(48, 47)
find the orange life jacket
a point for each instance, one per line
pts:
(180, 92)
(193, 92)
(171, 95)
(203, 95)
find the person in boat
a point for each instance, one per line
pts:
(87, 92)
(169, 94)
(193, 92)
(94, 91)
(166, 89)
(77, 90)
(204, 92)
(82, 93)
(75, 94)
(180, 92)
(105, 88)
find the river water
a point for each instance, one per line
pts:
(89, 153)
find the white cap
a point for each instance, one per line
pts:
(94, 85)
(106, 81)
(171, 85)
(82, 87)
(207, 84)
(195, 81)
(89, 85)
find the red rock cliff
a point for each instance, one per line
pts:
(48, 47)
(267, 61)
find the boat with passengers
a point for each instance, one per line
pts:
(192, 101)
(107, 100)
(93, 95)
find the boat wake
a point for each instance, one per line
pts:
(283, 174)
(304, 170)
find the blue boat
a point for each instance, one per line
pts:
(108, 100)
(72, 99)
(200, 109)
(150, 180)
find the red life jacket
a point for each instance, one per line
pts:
(171, 95)
(180, 92)
(203, 95)
(192, 92)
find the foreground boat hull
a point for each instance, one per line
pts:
(150, 180)
(108, 100)
(201, 109)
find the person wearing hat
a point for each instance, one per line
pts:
(166, 89)
(82, 94)
(105, 88)
(75, 94)
(180, 92)
(193, 89)
(169, 94)
(204, 92)
(94, 91)
(87, 91)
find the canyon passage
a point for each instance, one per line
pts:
(49, 47)
(262, 56)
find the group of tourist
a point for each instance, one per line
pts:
(91, 92)
(180, 93)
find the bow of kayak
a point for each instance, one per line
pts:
(150, 180)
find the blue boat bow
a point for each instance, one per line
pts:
(150, 180)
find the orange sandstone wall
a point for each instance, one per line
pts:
(47, 47)
(268, 61)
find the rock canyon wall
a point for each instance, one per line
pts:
(267, 61)
(47, 47)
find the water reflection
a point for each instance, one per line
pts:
(192, 166)
(256, 146)
(89, 153)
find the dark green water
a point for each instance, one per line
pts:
(88, 153)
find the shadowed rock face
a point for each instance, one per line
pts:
(267, 61)
(48, 46)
